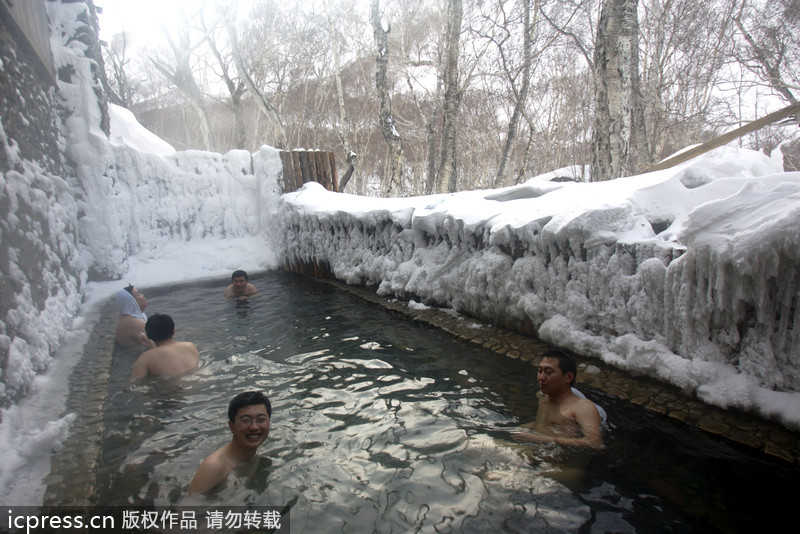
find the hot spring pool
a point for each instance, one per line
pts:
(384, 425)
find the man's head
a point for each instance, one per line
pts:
(557, 371)
(249, 416)
(159, 327)
(137, 296)
(239, 280)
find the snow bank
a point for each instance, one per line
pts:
(688, 275)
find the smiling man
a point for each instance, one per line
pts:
(563, 417)
(240, 287)
(249, 415)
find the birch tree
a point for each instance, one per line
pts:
(618, 136)
(447, 174)
(394, 163)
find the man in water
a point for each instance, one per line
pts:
(169, 357)
(240, 287)
(249, 415)
(130, 328)
(563, 417)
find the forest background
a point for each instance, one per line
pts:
(448, 95)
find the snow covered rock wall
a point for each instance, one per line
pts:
(690, 275)
(77, 203)
(41, 271)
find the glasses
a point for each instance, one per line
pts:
(248, 420)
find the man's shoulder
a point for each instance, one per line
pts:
(188, 346)
(217, 460)
(149, 354)
(210, 473)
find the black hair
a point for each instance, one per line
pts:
(159, 327)
(238, 273)
(247, 398)
(566, 362)
(129, 288)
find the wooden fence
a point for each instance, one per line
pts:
(301, 166)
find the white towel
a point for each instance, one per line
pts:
(128, 306)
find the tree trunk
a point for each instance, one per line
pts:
(618, 136)
(393, 167)
(447, 175)
(522, 96)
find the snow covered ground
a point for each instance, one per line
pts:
(689, 274)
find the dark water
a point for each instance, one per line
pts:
(383, 425)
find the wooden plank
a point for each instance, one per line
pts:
(323, 169)
(334, 177)
(304, 166)
(312, 165)
(287, 181)
(298, 169)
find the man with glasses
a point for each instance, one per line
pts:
(249, 416)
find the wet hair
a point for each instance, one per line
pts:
(247, 398)
(239, 273)
(129, 288)
(566, 363)
(159, 327)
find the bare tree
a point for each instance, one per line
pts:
(227, 73)
(772, 44)
(684, 51)
(519, 95)
(179, 72)
(262, 101)
(618, 136)
(122, 88)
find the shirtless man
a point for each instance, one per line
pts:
(130, 326)
(563, 417)
(239, 286)
(169, 357)
(249, 416)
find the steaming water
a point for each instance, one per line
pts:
(380, 424)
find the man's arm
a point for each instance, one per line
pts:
(588, 419)
(139, 369)
(251, 290)
(229, 291)
(145, 341)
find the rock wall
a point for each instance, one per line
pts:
(41, 269)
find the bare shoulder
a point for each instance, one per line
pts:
(585, 407)
(211, 472)
(147, 355)
(251, 289)
(141, 367)
(229, 291)
(188, 345)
